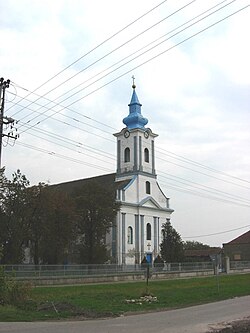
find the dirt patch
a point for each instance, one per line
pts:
(239, 326)
(72, 311)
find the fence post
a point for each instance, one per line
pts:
(227, 265)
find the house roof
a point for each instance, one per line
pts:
(202, 252)
(242, 239)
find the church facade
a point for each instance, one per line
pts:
(144, 207)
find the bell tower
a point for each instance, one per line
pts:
(143, 205)
(135, 143)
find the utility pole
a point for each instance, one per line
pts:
(4, 120)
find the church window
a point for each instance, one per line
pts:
(127, 155)
(148, 231)
(146, 155)
(162, 234)
(148, 187)
(130, 235)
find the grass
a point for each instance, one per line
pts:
(93, 301)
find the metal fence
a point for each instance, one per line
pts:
(80, 271)
(187, 267)
(40, 271)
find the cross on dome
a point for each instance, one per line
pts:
(133, 85)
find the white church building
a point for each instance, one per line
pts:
(144, 208)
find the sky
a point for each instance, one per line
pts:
(71, 64)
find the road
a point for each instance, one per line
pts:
(195, 319)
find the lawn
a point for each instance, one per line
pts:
(103, 300)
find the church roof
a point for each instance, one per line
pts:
(71, 186)
(135, 119)
(105, 180)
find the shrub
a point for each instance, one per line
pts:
(12, 292)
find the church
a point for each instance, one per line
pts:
(136, 232)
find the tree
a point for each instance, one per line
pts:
(38, 217)
(194, 245)
(3, 182)
(172, 245)
(51, 224)
(14, 218)
(96, 209)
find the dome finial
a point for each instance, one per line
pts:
(133, 85)
(135, 119)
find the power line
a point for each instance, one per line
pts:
(43, 106)
(228, 175)
(109, 53)
(221, 193)
(78, 146)
(218, 233)
(201, 195)
(52, 153)
(174, 157)
(161, 173)
(148, 60)
(73, 126)
(205, 174)
(167, 153)
(26, 124)
(230, 15)
(204, 187)
(129, 62)
(99, 45)
(159, 54)
(197, 164)
(58, 104)
(95, 62)
(77, 143)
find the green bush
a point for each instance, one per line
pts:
(12, 292)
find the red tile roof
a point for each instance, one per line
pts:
(243, 239)
(202, 252)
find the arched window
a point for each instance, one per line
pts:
(127, 155)
(130, 235)
(148, 231)
(146, 155)
(148, 187)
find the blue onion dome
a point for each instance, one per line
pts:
(135, 119)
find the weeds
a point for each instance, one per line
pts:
(13, 292)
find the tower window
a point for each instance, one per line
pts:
(148, 187)
(146, 155)
(127, 155)
(148, 231)
(130, 235)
